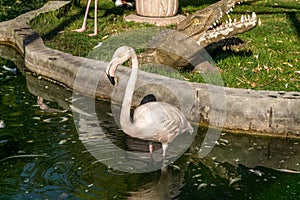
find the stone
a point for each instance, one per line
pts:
(158, 21)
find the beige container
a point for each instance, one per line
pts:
(157, 8)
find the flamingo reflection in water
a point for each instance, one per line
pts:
(152, 121)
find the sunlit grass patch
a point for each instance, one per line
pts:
(274, 50)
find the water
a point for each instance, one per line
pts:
(43, 156)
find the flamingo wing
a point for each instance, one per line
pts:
(160, 121)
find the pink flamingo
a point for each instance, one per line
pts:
(118, 3)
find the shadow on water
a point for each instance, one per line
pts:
(43, 156)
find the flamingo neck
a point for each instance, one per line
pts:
(125, 119)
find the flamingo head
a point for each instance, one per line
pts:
(121, 55)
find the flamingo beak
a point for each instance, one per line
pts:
(111, 79)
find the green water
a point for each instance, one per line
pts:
(42, 155)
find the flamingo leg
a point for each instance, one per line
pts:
(150, 147)
(95, 20)
(164, 148)
(85, 18)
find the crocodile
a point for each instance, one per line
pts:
(205, 27)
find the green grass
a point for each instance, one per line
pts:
(274, 49)
(58, 32)
(269, 61)
(12, 8)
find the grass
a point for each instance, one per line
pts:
(269, 61)
(12, 8)
(272, 61)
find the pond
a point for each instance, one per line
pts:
(44, 155)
